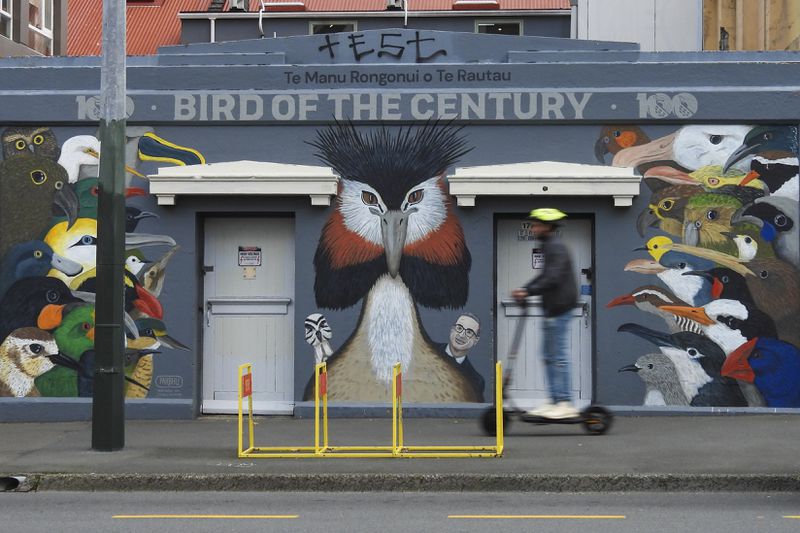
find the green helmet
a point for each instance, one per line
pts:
(547, 214)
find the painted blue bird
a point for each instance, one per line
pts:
(33, 258)
(773, 366)
(778, 218)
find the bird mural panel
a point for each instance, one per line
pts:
(392, 242)
(48, 240)
(724, 206)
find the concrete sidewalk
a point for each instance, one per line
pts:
(717, 453)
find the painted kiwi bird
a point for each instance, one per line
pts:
(393, 242)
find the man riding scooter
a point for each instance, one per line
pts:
(556, 285)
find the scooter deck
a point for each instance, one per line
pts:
(544, 420)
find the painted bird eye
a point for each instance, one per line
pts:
(616, 133)
(725, 279)
(713, 181)
(86, 326)
(715, 139)
(52, 296)
(764, 274)
(39, 139)
(415, 197)
(368, 198)
(712, 215)
(681, 265)
(606, 140)
(35, 349)
(95, 190)
(88, 240)
(37, 254)
(59, 185)
(666, 205)
(767, 136)
(20, 144)
(748, 240)
(650, 366)
(692, 352)
(38, 177)
(780, 220)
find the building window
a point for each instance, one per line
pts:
(499, 27)
(6, 16)
(316, 28)
(40, 26)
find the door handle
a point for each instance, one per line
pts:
(585, 314)
(208, 314)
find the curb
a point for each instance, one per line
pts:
(419, 482)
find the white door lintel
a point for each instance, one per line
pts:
(244, 178)
(544, 178)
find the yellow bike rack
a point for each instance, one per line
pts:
(323, 449)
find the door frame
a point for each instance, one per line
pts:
(228, 407)
(589, 395)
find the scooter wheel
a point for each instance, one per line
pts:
(597, 420)
(489, 422)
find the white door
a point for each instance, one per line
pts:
(517, 263)
(249, 313)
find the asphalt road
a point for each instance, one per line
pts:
(405, 512)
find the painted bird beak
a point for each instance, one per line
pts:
(656, 337)
(739, 154)
(657, 150)
(61, 359)
(644, 266)
(67, 201)
(736, 365)
(697, 314)
(621, 300)
(629, 368)
(173, 343)
(136, 240)
(65, 265)
(394, 228)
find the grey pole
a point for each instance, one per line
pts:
(108, 402)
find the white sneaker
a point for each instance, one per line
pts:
(563, 410)
(541, 411)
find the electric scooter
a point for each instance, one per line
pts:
(596, 420)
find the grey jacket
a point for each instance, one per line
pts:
(556, 284)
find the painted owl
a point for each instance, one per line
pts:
(26, 140)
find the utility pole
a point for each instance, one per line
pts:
(108, 402)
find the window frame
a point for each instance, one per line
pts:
(312, 23)
(496, 21)
(45, 33)
(9, 16)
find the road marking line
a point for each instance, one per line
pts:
(223, 516)
(539, 516)
(796, 517)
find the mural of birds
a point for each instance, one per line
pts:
(24, 299)
(25, 354)
(777, 216)
(774, 152)
(689, 148)
(154, 148)
(771, 294)
(772, 366)
(649, 298)
(153, 274)
(706, 217)
(698, 362)
(615, 138)
(31, 259)
(662, 386)
(134, 215)
(73, 329)
(29, 140)
(666, 206)
(80, 157)
(394, 242)
(30, 187)
(318, 333)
